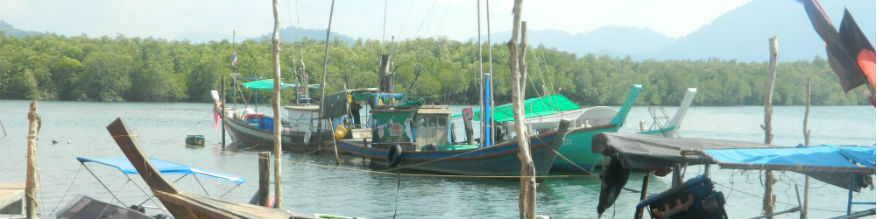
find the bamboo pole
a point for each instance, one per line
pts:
(769, 198)
(276, 105)
(323, 89)
(31, 185)
(806, 143)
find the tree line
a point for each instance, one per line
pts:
(437, 70)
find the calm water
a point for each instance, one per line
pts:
(312, 184)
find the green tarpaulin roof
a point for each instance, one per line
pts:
(268, 84)
(534, 107)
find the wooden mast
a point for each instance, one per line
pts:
(278, 194)
(323, 87)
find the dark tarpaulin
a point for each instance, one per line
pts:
(335, 105)
(647, 152)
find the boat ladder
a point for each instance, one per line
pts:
(661, 119)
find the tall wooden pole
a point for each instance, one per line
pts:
(30, 190)
(769, 180)
(518, 70)
(806, 143)
(276, 105)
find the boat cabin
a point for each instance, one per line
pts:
(412, 128)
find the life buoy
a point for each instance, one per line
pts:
(394, 155)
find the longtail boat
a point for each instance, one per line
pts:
(417, 138)
(180, 204)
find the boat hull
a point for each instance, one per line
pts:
(577, 148)
(246, 137)
(498, 160)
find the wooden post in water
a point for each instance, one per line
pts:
(518, 70)
(806, 143)
(264, 181)
(769, 180)
(222, 111)
(643, 192)
(30, 191)
(276, 105)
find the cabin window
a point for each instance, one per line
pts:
(431, 121)
(421, 122)
(442, 122)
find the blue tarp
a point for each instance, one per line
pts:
(164, 167)
(814, 156)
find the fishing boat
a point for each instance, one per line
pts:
(418, 138)
(180, 204)
(845, 167)
(252, 130)
(544, 113)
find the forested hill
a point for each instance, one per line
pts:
(53, 67)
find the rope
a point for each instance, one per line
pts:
(68, 189)
(396, 199)
(777, 201)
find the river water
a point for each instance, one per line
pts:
(313, 184)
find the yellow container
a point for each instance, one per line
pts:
(340, 132)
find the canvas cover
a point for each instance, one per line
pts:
(533, 107)
(164, 167)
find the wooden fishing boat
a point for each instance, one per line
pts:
(544, 113)
(417, 138)
(251, 130)
(180, 204)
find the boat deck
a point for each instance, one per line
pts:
(12, 198)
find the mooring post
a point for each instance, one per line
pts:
(222, 111)
(642, 194)
(769, 180)
(264, 181)
(278, 127)
(31, 185)
(806, 143)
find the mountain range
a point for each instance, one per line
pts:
(740, 34)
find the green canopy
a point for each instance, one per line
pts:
(267, 84)
(534, 107)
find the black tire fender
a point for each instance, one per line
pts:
(394, 155)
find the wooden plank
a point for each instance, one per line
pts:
(11, 194)
(182, 205)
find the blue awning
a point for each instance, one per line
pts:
(164, 167)
(814, 158)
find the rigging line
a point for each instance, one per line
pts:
(67, 190)
(777, 201)
(442, 21)
(550, 79)
(426, 18)
(405, 18)
(384, 33)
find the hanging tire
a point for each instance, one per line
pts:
(394, 155)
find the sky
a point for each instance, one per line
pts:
(455, 19)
